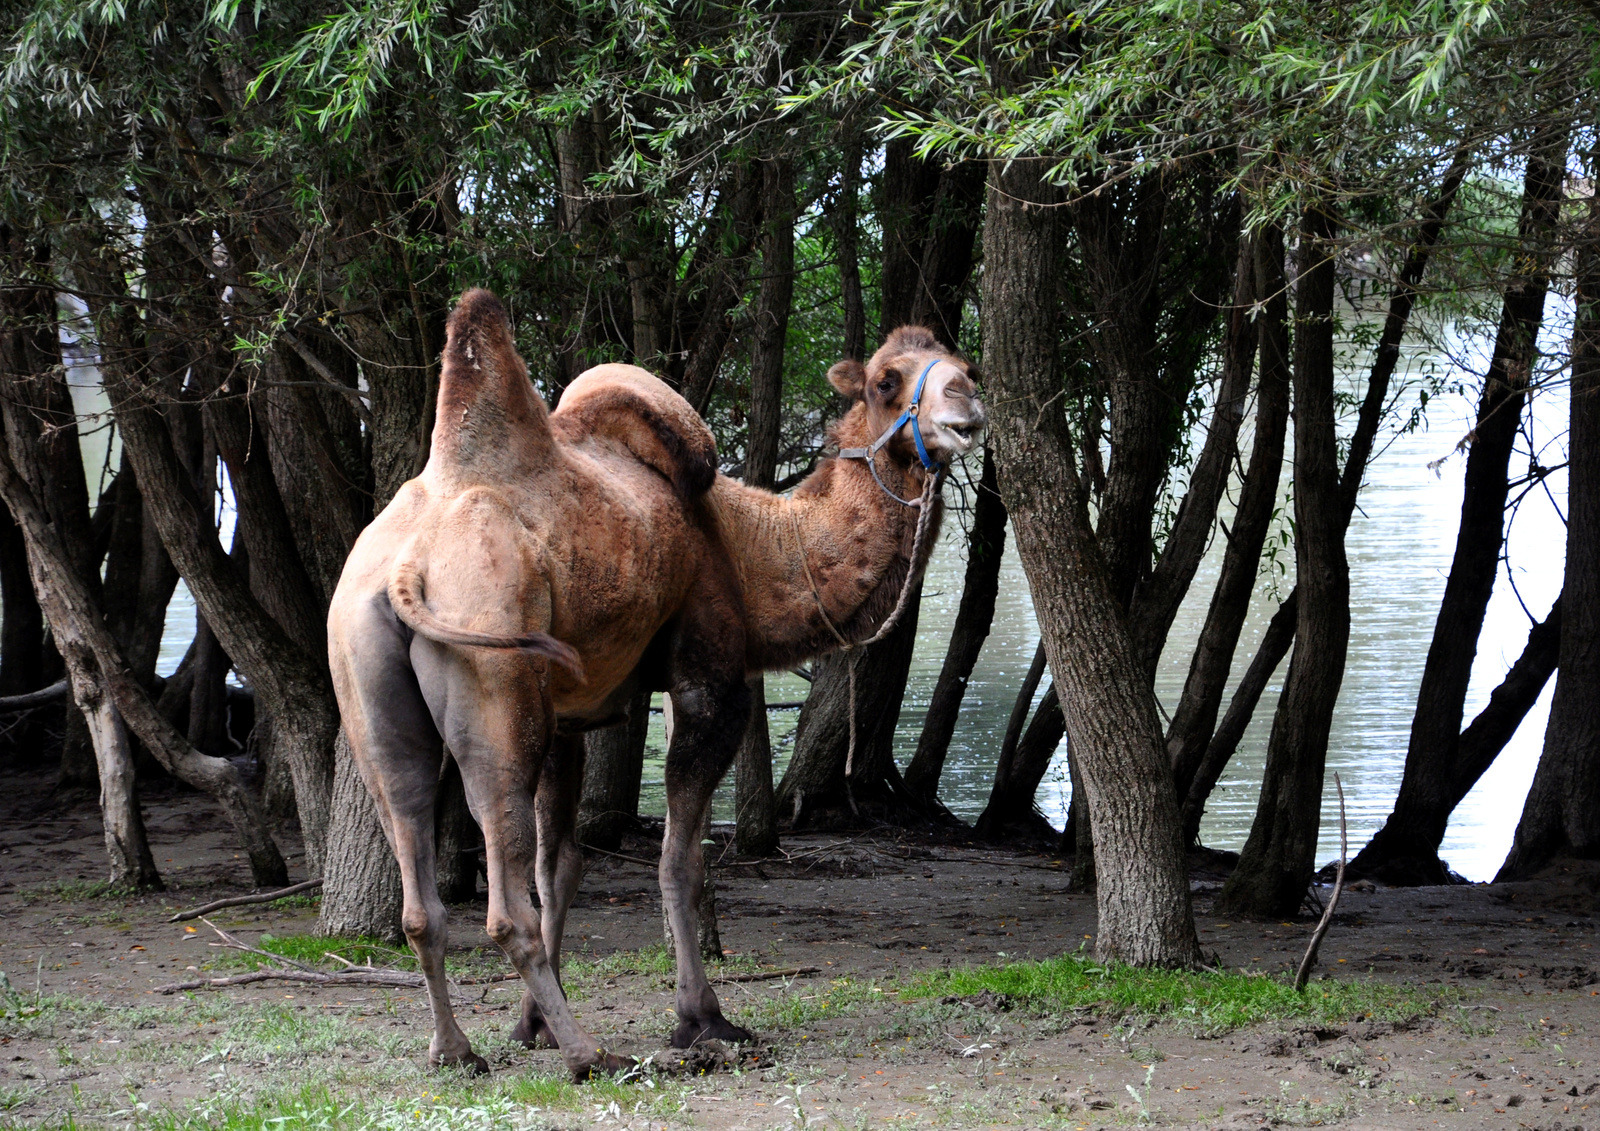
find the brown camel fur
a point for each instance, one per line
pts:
(543, 568)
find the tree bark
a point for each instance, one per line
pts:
(755, 805)
(985, 550)
(612, 770)
(1188, 738)
(363, 895)
(21, 623)
(1145, 914)
(1407, 846)
(1561, 817)
(208, 693)
(1280, 854)
(906, 194)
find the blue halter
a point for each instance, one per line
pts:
(912, 413)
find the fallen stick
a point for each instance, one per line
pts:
(768, 975)
(1310, 959)
(242, 900)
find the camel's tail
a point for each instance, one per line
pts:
(405, 596)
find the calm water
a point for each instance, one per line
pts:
(1399, 548)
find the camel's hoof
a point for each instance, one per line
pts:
(609, 1064)
(472, 1064)
(536, 1036)
(718, 1028)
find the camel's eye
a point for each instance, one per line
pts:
(885, 387)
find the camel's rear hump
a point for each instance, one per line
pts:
(490, 422)
(638, 410)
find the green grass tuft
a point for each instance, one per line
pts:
(1214, 1002)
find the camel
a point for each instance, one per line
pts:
(546, 566)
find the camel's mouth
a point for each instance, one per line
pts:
(961, 436)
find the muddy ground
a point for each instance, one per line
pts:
(1512, 1042)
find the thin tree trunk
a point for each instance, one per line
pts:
(208, 693)
(1561, 817)
(1280, 854)
(612, 771)
(1189, 737)
(847, 241)
(906, 194)
(985, 550)
(1145, 915)
(755, 817)
(1408, 843)
(1157, 598)
(947, 256)
(1011, 813)
(1275, 644)
(21, 623)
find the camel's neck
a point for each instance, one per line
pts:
(857, 546)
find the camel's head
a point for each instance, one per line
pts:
(951, 416)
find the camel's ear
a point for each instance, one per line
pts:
(849, 377)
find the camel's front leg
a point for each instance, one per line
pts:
(707, 724)
(559, 869)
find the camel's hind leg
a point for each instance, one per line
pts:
(498, 725)
(558, 869)
(707, 723)
(398, 752)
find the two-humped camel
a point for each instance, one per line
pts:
(545, 566)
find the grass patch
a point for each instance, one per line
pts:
(799, 1007)
(312, 950)
(1214, 1002)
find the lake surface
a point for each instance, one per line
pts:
(1399, 546)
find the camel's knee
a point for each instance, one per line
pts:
(423, 926)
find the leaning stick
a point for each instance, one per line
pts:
(242, 900)
(40, 698)
(1310, 959)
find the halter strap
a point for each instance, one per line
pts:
(912, 413)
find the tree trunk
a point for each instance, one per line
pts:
(1407, 846)
(819, 789)
(1280, 854)
(1214, 757)
(755, 818)
(1157, 598)
(1561, 817)
(22, 641)
(362, 896)
(456, 838)
(847, 241)
(1011, 813)
(1189, 736)
(906, 194)
(947, 255)
(1144, 909)
(612, 769)
(985, 550)
(208, 693)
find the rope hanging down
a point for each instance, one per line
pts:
(924, 505)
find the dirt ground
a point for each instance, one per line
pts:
(1512, 1044)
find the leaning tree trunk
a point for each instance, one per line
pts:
(755, 818)
(1189, 736)
(985, 551)
(826, 788)
(1280, 854)
(1406, 848)
(1561, 817)
(1112, 721)
(1011, 813)
(613, 767)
